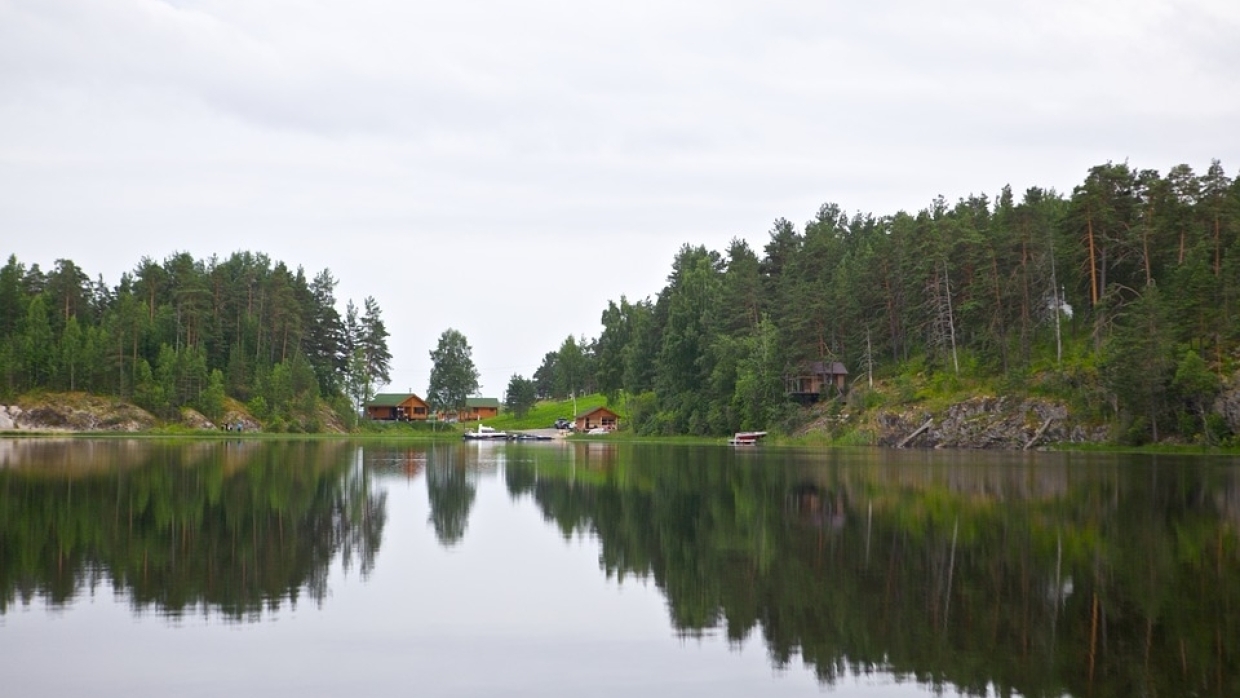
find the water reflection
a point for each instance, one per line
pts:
(1039, 576)
(229, 527)
(1029, 574)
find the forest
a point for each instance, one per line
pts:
(1119, 298)
(191, 333)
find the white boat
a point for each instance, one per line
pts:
(746, 438)
(485, 433)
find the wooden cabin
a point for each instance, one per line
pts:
(397, 407)
(816, 380)
(595, 418)
(479, 408)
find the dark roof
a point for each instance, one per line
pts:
(600, 408)
(482, 402)
(833, 368)
(391, 399)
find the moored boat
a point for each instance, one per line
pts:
(485, 433)
(523, 436)
(746, 438)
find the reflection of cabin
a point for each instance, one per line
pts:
(816, 380)
(477, 408)
(598, 417)
(397, 407)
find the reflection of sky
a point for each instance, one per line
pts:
(512, 609)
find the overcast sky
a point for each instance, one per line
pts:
(506, 168)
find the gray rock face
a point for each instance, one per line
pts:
(7, 417)
(1227, 404)
(988, 423)
(98, 415)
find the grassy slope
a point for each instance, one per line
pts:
(544, 414)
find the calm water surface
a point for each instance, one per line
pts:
(326, 568)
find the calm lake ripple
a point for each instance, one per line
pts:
(136, 567)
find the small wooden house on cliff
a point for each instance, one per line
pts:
(816, 380)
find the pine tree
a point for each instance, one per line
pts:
(1139, 364)
(38, 351)
(372, 340)
(72, 353)
(324, 338)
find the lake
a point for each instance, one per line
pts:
(144, 567)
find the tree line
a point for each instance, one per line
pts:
(190, 332)
(1121, 297)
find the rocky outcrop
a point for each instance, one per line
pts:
(8, 421)
(1227, 404)
(81, 413)
(987, 423)
(235, 420)
(195, 420)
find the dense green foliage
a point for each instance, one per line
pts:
(190, 332)
(520, 396)
(453, 374)
(1102, 297)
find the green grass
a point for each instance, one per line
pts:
(543, 414)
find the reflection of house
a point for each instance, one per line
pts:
(400, 407)
(598, 417)
(817, 379)
(595, 454)
(477, 408)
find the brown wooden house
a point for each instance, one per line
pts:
(397, 407)
(478, 408)
(596, 418)
(816, 380)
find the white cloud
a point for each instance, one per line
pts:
(555, 154)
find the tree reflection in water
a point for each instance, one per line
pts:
(451, 487)
(1045, 575)
(1060, 575)
(227, 527)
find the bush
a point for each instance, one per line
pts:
(1135, 433)
(906, 389)
(863, 399)
(342, 407)
(1188, 424)
(257, 406)
(945, 383)
(1216, 428)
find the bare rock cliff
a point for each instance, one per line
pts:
(75, 413)
(987, 423)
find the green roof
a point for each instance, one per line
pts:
(390, 399)
(482, 402)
